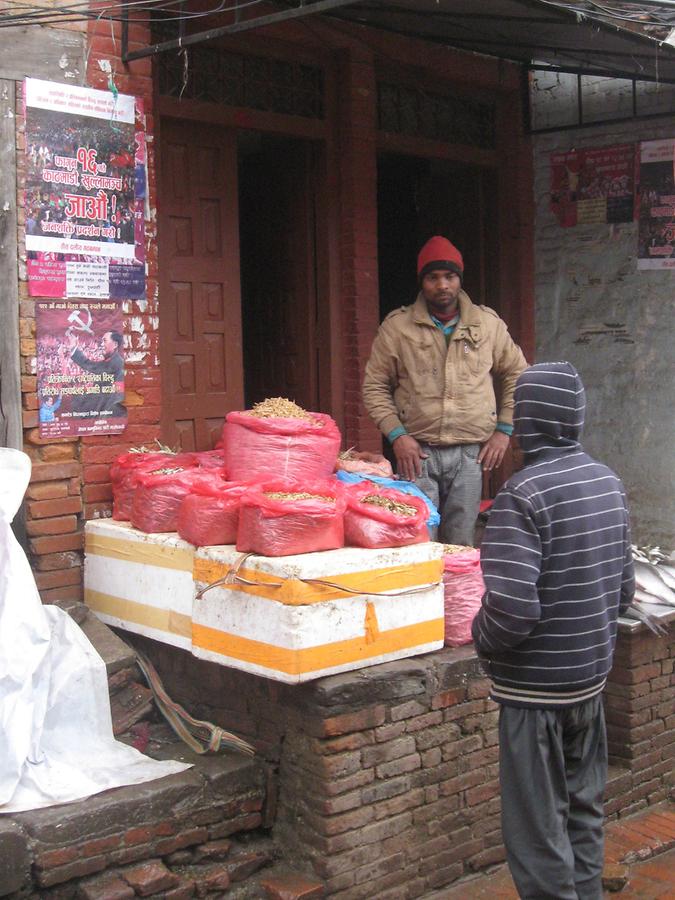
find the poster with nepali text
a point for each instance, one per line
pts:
(593, 186)
(656, 231)
(80, 368)
(85, 190)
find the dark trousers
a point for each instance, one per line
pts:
(552, 771)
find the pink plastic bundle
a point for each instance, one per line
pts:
(364, 463)
(159, 494)
(372, 519)
(209, 514)
(464, 588)
(292, 449)
(123, 474)
(282, 518)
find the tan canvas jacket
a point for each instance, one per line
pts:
(442, 396)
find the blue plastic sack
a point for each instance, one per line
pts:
(406, 487)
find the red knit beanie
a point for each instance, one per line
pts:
(439, 253)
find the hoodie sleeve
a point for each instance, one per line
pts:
(511, 564)
(628, 575)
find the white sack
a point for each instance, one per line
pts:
(56, 740)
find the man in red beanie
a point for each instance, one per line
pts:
(429, 389)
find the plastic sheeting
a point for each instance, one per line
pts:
(56, 740)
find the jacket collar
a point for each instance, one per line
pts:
(469, 325)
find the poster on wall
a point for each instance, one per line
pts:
(656, 231)
(80, 368)
(85, 190)
(593, 186)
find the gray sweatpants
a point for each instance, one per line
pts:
(552, 772)
(452, 479)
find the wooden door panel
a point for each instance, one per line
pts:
(200, 305)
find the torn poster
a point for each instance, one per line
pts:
(656, 232)
(593, 186)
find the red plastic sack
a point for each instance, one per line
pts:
(290, 449)
(368, 525)
(464, 588)
(271, 527)
(123, 477)
(159, 494)
(209, 514)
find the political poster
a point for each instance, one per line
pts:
(80, 368)
(84, 195)
(593, 186)
(656, 228)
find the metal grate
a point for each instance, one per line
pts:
(233, 79)
(407, 110)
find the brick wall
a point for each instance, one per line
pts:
(388, 776)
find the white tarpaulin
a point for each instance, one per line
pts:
(56, 740)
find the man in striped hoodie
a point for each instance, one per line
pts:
(558, 572)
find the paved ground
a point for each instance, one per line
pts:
(639, 852)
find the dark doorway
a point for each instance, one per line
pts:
(277, 234)
(418, 198)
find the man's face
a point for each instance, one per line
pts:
(109, 346)
(440, 289)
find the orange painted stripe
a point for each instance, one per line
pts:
(139, 613)
(143, 552)
(294, 592)
(324, 656)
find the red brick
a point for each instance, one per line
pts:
(138, 836)
(399, 766)
(108, 887)
(62, 506)
(54, 471)
(53, 595)
(184, 891)
(246, 864)
(95, 474)
(59, 525)
(448, 698)
(291, 886)
(49, 859)
(151, 877)
(181, 840)
(370, 717)
(69, 872)
(47, 490)
(212, 850)
(59, 578)
(57, 452)
(216, 879)
(55, 561)
(96, 493)
(56, 543)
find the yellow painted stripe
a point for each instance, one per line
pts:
(294, 592)
(143, 552)
(314, 659)
(139, 613)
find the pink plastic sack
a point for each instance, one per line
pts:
(123, 473)
(159, 494)
(364, 463)
(290, 449)
(210, 459)
(369, 525)
(464, 588)
(284, 527)
(209, 514)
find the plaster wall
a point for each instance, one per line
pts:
(615, 324)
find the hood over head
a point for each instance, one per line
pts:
(549, 408)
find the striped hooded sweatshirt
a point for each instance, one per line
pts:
(556, 555)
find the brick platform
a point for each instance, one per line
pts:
(639, 862)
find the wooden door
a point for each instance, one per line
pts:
(200, 305)
(279, 288)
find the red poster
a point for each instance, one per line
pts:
(593, 186)
(85, 191)
(80, 368)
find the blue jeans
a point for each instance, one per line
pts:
(452, 479)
